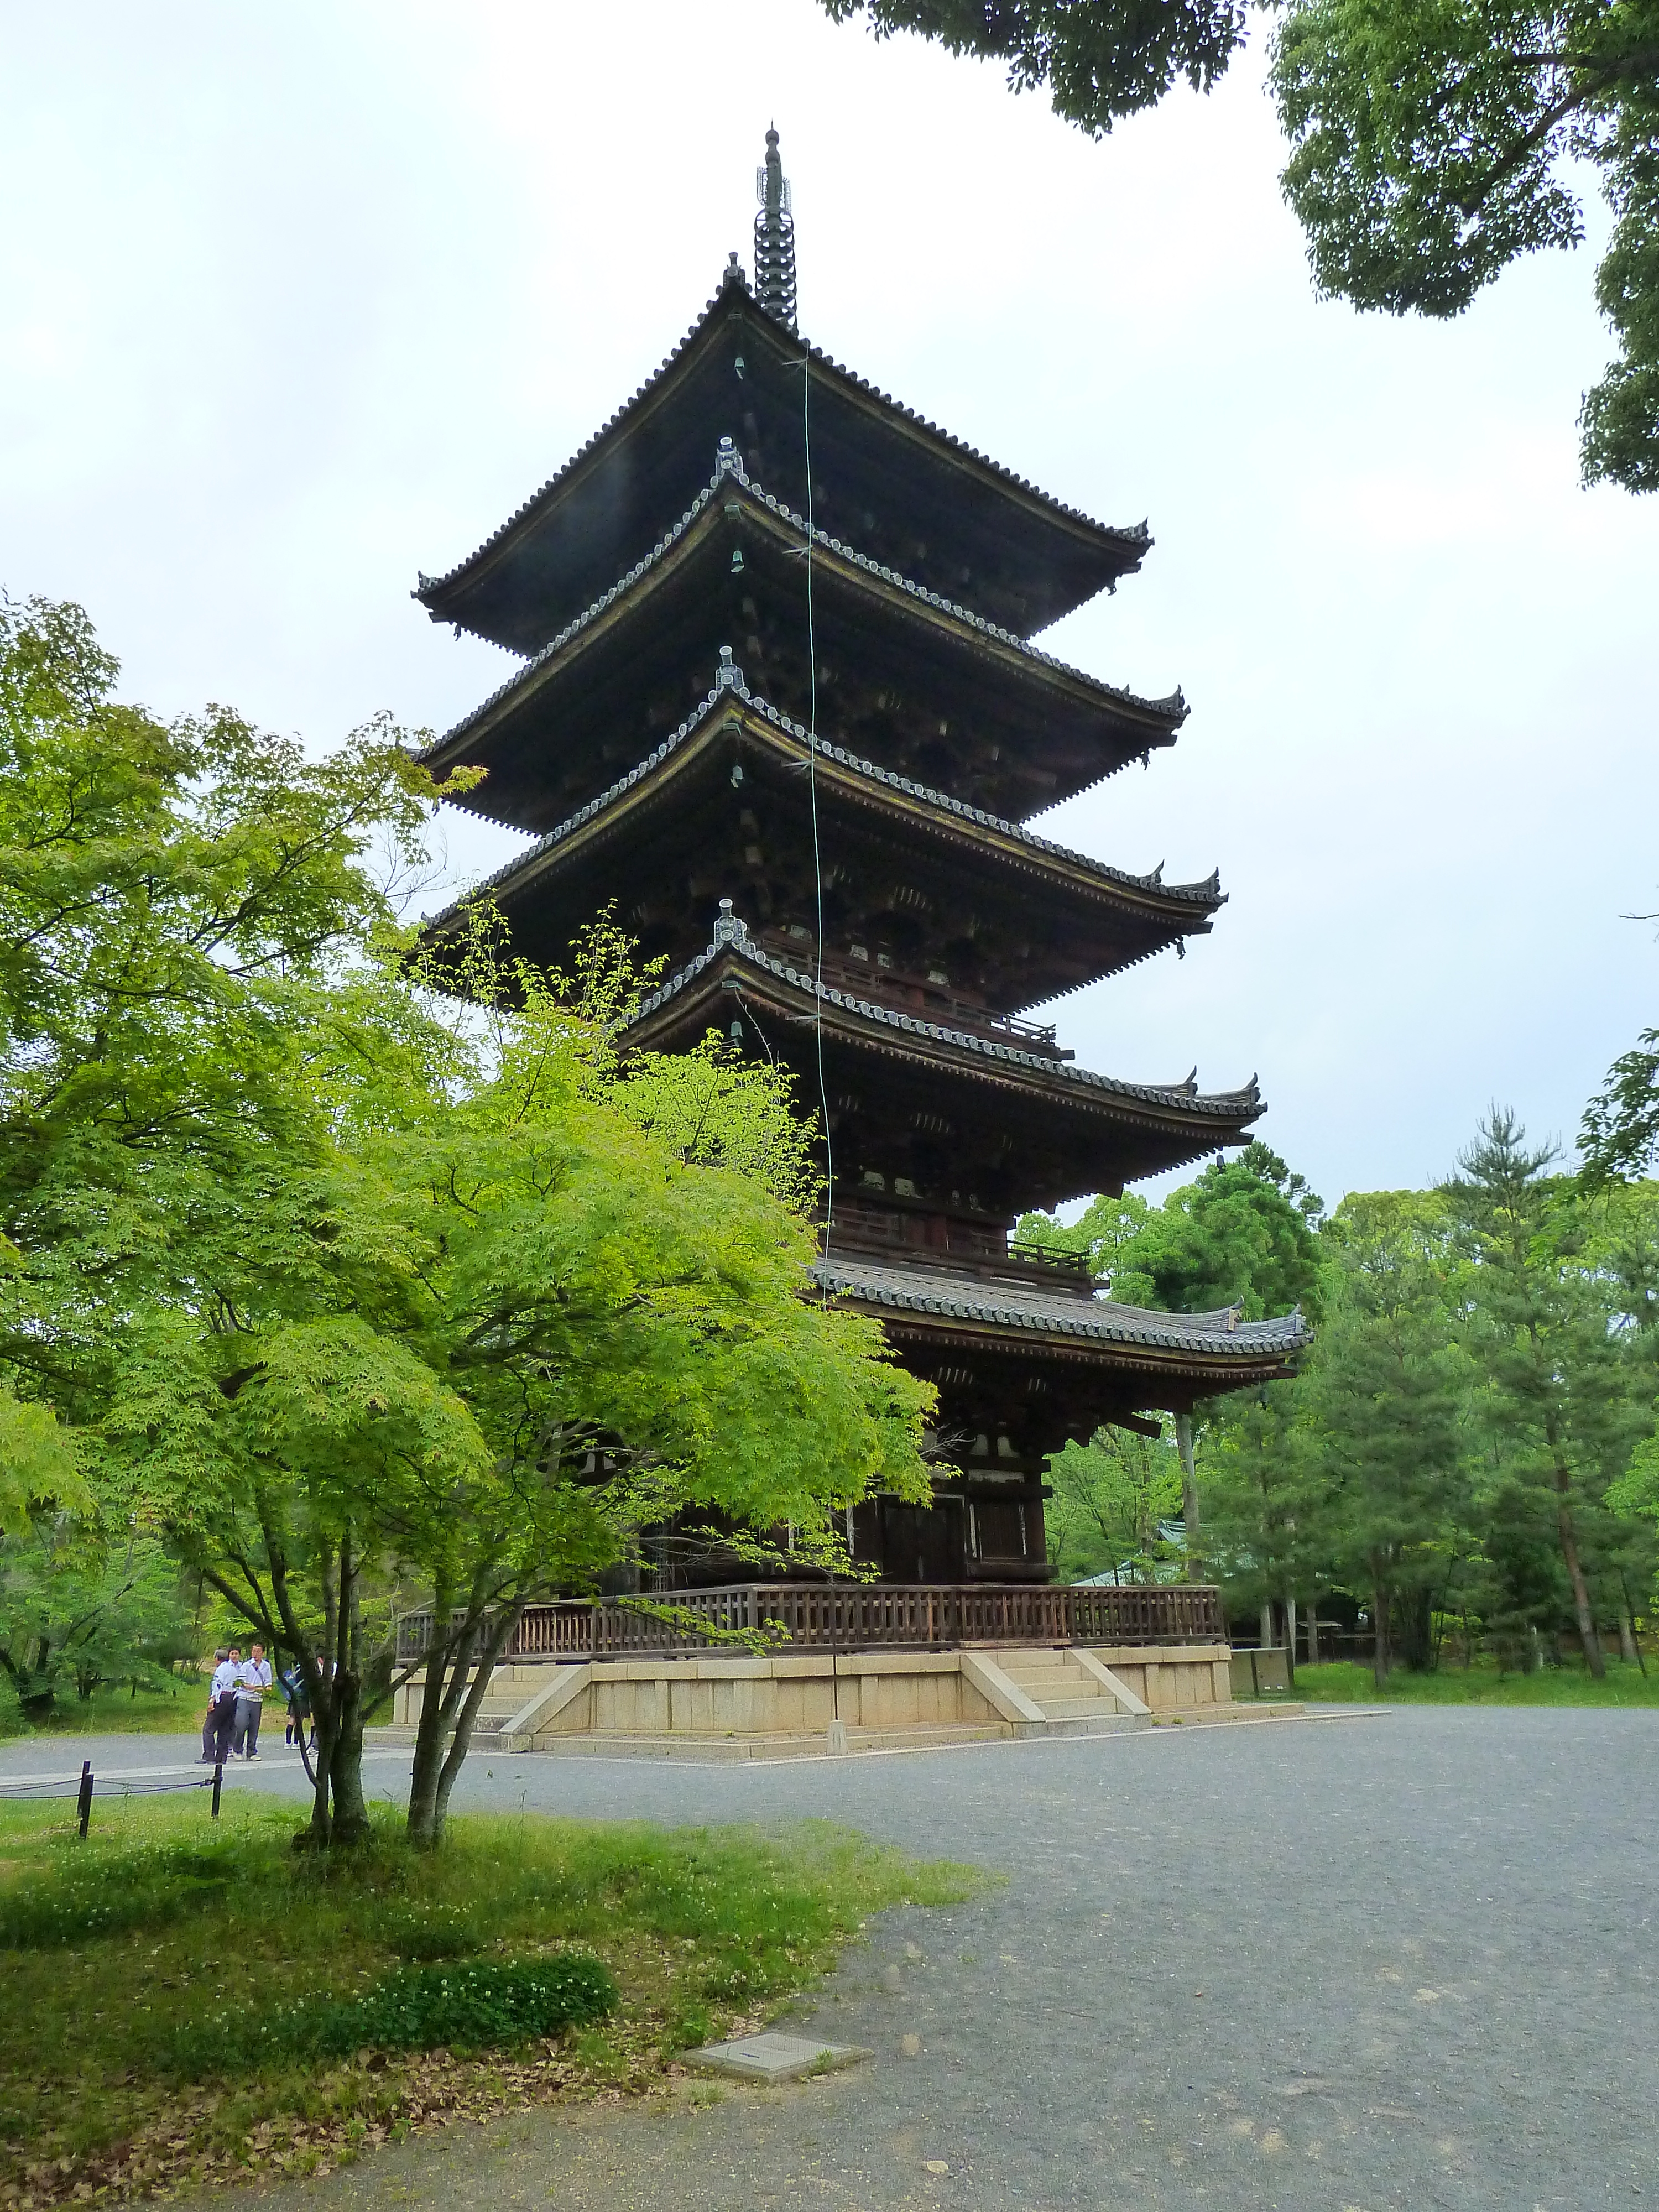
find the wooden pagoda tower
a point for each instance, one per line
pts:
(733, 721)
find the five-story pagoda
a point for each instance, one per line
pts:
(790, 721)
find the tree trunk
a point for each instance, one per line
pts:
(1380, 1623)
(350, 1812)
(429, 1727)
(1626, 1641)
(1290, 1640)
(1189, 1498)
(322, 1718)
(1581, 1603)
(350, 1822)
(1313, 1632)
(467, 1718)
(1411, 1628)
(451, 1702)
(1266, 1623)
(1629, 1621)
(421, 1821)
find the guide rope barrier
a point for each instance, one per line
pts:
(84, 1787)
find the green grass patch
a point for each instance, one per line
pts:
(468, 2004)
(187, 2001)
(117, 1712)
(1349, 1681)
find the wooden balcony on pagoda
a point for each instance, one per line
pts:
(879, 1221)
(929, 997)
(857, 1617)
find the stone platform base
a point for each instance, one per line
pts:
(741, 1707)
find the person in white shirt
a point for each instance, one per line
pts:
(221, 1705)
(220, 1663)
(253, 1680)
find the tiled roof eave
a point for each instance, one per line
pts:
(732, 940)
(1135, 539)
(1206, 897)
(1220, 1335)
(1171, 712)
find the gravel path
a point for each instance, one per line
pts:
(1405, 1961)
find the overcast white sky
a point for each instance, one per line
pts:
(295, 301)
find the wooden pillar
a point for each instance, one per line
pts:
(1189, 1498)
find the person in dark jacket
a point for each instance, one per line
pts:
(221, 1707)
(210, 1724)
(292, 1684)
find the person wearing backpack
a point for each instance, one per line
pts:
(293, 1684)
(222, 1708)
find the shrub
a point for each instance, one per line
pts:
(483, 2003)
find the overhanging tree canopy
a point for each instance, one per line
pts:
(1431, 145)
(342, 1288)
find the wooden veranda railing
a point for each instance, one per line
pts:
(859, 1617)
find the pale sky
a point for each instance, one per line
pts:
(294, 302)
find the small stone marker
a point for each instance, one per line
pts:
(771, 2058)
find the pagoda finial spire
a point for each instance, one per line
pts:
(775, 237)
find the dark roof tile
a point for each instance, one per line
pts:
(1172, 709)
(1012, 1305)
(1207, 895)
(732, 938)
(1135, 534)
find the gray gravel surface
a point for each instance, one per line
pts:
(1402, 1961)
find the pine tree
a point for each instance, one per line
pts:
(1541, 1326)
(1389, 1390)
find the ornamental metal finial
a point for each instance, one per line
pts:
(774, 238)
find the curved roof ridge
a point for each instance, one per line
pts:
(1175, 705)
(1132, 533)
(425, 583)
(1208, 894)
(729, 464)
(731, 934)
(572, 823)
(577, 622)
(924, 1290)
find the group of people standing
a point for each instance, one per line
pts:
(236, 1698)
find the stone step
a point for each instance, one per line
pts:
(1039, 1682)
(1078, 1708)
(619, 1744)
(1105, 1724)
(1039, 1679)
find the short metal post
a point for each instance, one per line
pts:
(83, 1804)
(218, 1777)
